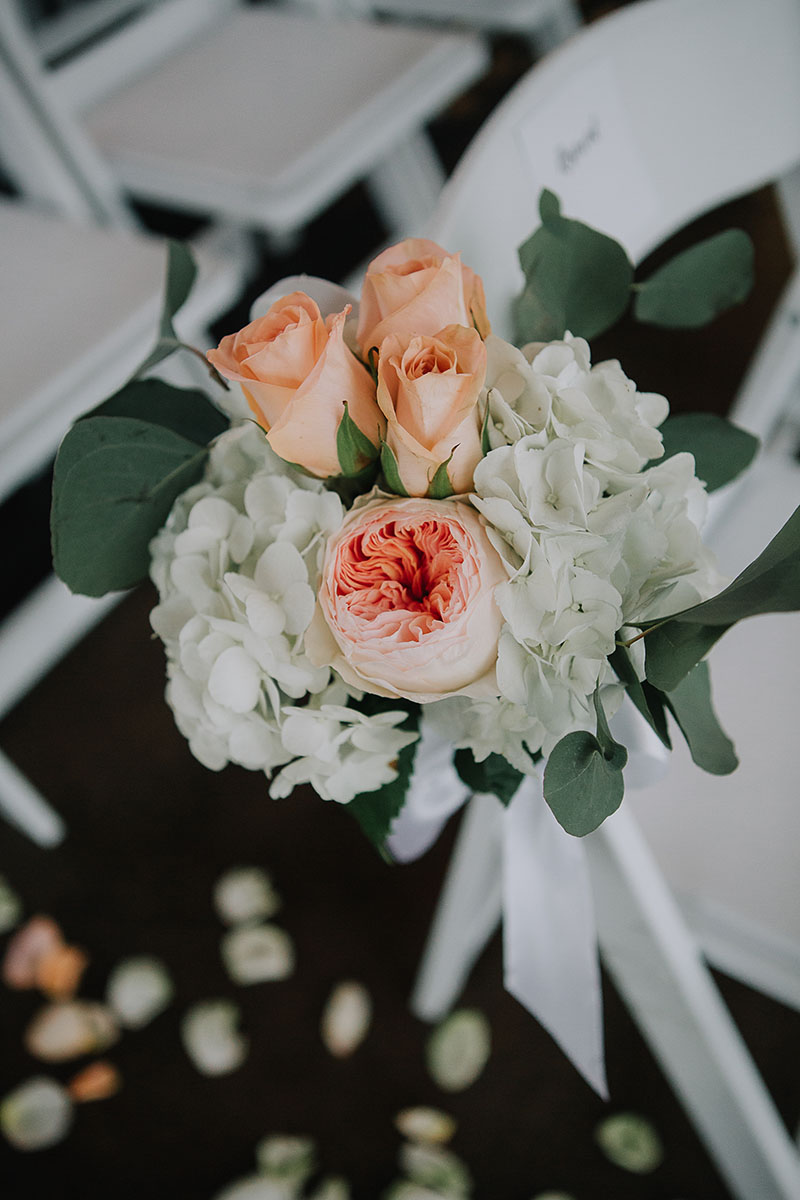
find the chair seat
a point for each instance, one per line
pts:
(80, 306)
(169, 135)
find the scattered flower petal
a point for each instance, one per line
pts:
(435, 1168)
(284, 1157)
(211, 1038)
(37, 1114)
(138, 990)
(404, 1189)
(37, 937)
(428, 1125)
(259, 1187)
(553, 1196)
(458, 1049)
(629, 1141)
(98, 1081)
(346, 1018)
(10, 906)
(333, 1188)
(257, 954)
(59, 971)
(245, 894)
(69, 1028)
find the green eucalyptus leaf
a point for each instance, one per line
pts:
(576, 278)
(493, 775)
(700, 283)
(690, 704)
(721, 450)
(581, 785)
(354, 449)
(181, 274)
(375, 811)
(673, 649)
(648, 699)
(115, 482)
(770, 584)
(185, 411)
(391, 471)
(583, 781)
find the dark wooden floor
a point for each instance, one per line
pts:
(151, 831)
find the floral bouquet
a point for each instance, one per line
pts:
(404, 527)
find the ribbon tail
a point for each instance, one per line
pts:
(435, 791)
(549, 936)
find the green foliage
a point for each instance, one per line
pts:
(697, 285)
(581, 280)
(115, 481)
(375, 811)
(354, 449)
(186, 411)
(583, 781)
(649, 700)
(576, 278)
(690, 704)
(494, 775)
(440, 487)
(722, 451)
(391, 471)
(770, 584)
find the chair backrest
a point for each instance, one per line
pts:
(640, 123)
(45, 154)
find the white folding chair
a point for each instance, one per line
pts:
(640, 123)
(258, 115)
(544, 23)
(80, 305)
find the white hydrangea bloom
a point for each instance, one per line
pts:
(591, 540)
(340, 751)
(236, 567)
(487, 727)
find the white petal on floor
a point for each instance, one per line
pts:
(37, 1114)
(211, 1037)
(138, 990)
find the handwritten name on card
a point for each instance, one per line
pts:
(579, 143)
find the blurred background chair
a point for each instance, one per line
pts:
(80, 309)
(257, 116)
(641, 123)
(543, 23)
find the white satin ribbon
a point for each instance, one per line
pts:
(550, 958)
(549, 935)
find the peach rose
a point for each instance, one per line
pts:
(406, 601)
(428, 391)
(416, 287)
(297, 372)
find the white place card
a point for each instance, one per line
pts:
(580, 145)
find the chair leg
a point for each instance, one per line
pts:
(406, 185)
(26, 809)
(659, 973)
(468, 911)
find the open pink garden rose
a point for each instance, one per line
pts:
(406, 601)
(297, 373)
